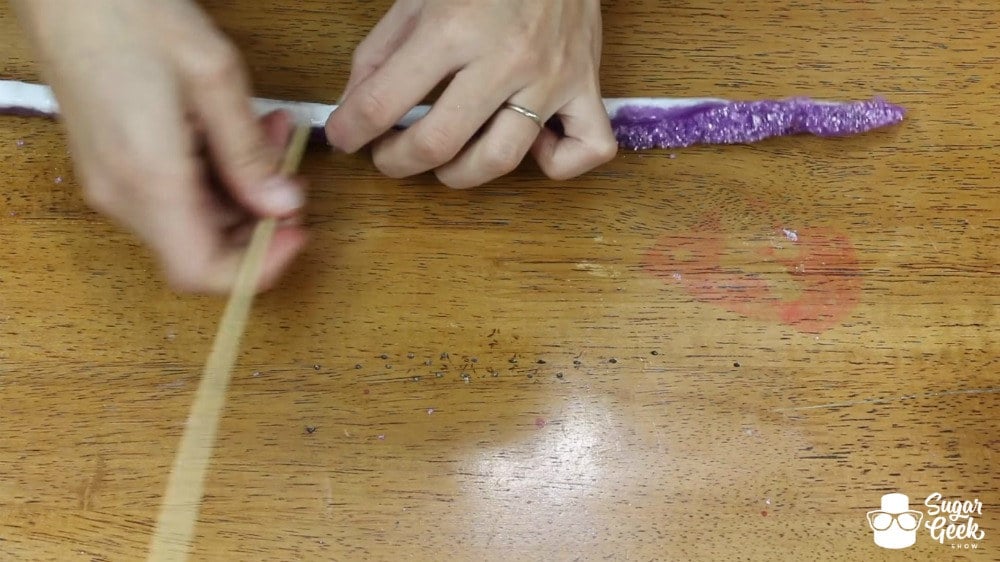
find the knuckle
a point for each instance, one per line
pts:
(452, 181)
(558, 173)
(144, 182)
(386, 165)
(359, 58)
(218, 65)
(250, 163)
(99, 196)
(373, 109)
(183, 275)
(525, 60)
(434, 145)
(362, 59)
(556, 169)
(501, 158)
(604, 149)
(107, 183)
(452, 32)
(181, 283)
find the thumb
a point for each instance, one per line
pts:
(244, 157)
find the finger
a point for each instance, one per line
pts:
(497, 152)
(200, 257)
(227, 212)
(246, 161)
(187, 225)
(470, 100)
(383, 40)
(279, 125)
(215, 272)
(287, 244)
(278, 128)
(379, 102)
(240, 234)
(586, 143)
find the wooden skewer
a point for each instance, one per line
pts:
(173, 538)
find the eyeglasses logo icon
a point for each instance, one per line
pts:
(895, 524)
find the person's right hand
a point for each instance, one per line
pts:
(163, 134)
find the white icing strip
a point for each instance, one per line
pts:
(28, 96)
(35, 97)
(316, 113)
(612, 105)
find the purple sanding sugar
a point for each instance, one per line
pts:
(743, 122)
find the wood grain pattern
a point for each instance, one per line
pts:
(638, 364)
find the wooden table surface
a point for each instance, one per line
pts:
(639, 364)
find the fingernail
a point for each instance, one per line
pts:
(280, 196)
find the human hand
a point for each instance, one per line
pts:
(540, 55)
(163, 134)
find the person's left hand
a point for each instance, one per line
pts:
(541, 55)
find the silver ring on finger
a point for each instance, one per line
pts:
(526, 112)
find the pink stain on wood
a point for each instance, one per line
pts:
(811, 284)
(540, 422)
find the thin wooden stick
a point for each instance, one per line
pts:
(173, 538)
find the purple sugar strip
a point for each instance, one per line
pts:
(743, 122)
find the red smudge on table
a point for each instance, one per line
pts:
(811, 284)
(540, 422)
(763, 513)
